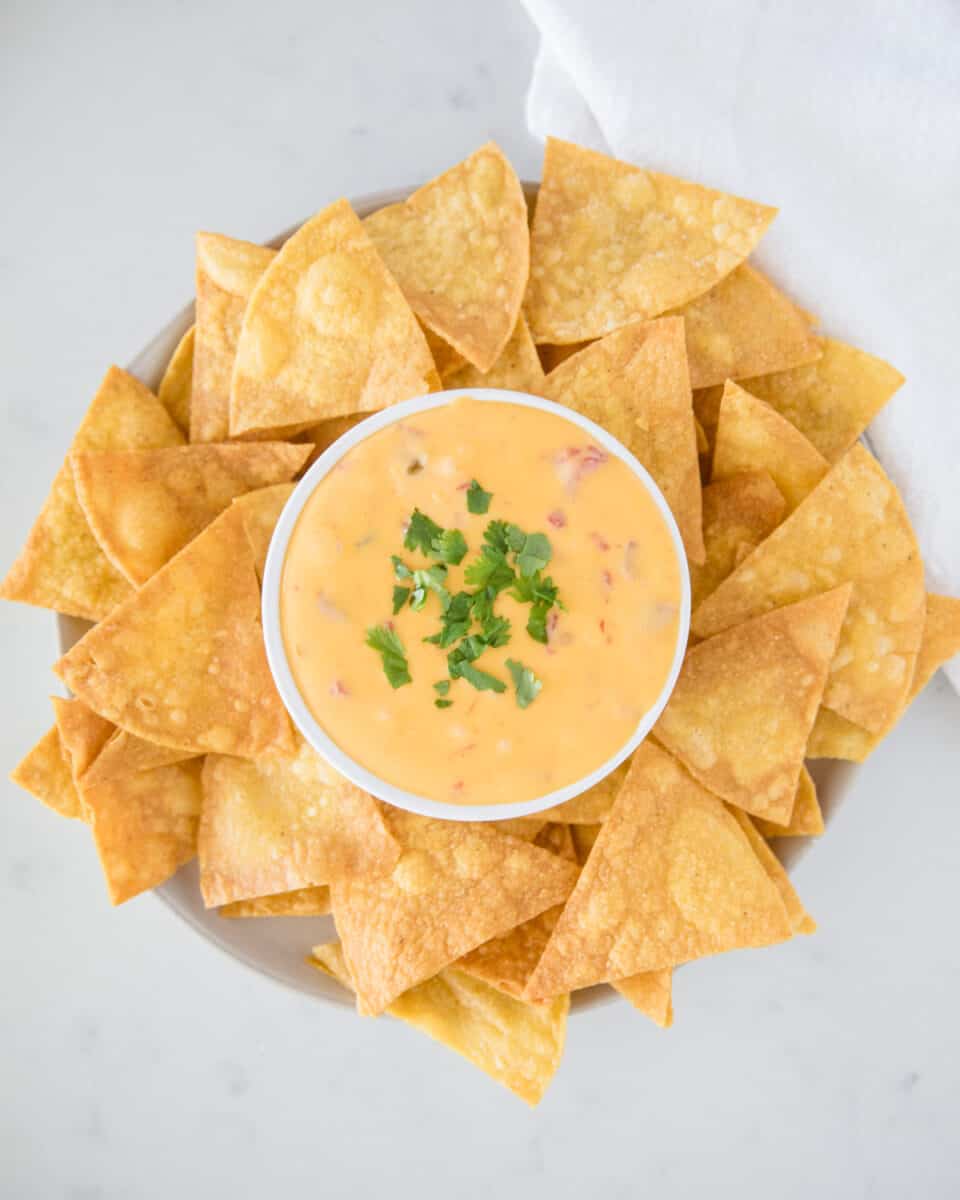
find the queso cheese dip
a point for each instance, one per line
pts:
(539, 565)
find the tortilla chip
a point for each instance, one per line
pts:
(832, 400)
(634, 383)
(460, 250)
(612, 243)
(738, 513)
(83, 733)
(591, 806)
(852, 527)
(743, 707)
(145, 505)
(285, 823)
(745, 326)
(833, 736)
(45, 773)
(144, 825)
(182, 662)
(517, 369)
(703, 445)
(302, 902)
(445, 358)
(323, 436)
(527, 828)
(584, 839)
(519, 1045)
(457, 885)
(326, 333)
(228, 271)
(125, 754)
(259, 512)
(650, 992)
(552, 356)
(706, 408)
(800, 919)
(61, 566)
(752, 436)
(558, 839)
(941, 639)
(671, 878)
(806, 820)
(176, 386)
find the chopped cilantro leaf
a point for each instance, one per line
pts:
(400, 596)
(442, 687)
(478, 501)
(496, 630)
(529, 589)
(490, 570)
(495, 535)
(421, 532)
(430, 579)
(534, 555)
(449, 546)
(516, 538)
(537, 621)
(443, 703)
(481, 604)
(390, 648)
(400, 569)
(455, 621)
(526, 684)
(480, 679)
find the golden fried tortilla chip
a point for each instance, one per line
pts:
(445, 358)
(752, 436)
(806, 820)
(227, 273)
(591, 806)
(61, 566)
(302, 902)
(745, 326)
(327, 332)
(460, 250)
(182, 662)
(125, 754)
(144, 825)
(145, 505)
(851, 528)
(743, 707)
(738, 513)
(285, 823)
(519, 1045)
(83, 733)
(527, 828)
(45, 773)
(176, 386)
(517, 369)
(941, 639)
(556, 836)
(800, 919)
(833, 400)
(706, 408)
(634, 383)
(650, 992)
(584, 839)
(323, 436)
(457, 885)
(672, 877)
(259, 512)
(833, 736)
(552, 356)
(612, 243)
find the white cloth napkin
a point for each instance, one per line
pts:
(845, 114)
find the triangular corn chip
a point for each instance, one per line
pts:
(743, 707)
(327, 432)
(182, 661)
(738, 512)
(650, 992)
(591, 806)
(671, 878)
(744, 326)
(852, 527)
(527, 828)
(584, 839)
(145, 505)
(125, 754)
(302, 902)
(833, 736)
(706, 408)
(144, 825)
(259, 512)
(833, 400)
(518, 367)
(326, 333)
(634, 383)
(552, 356)
(45, 773)
(176, 386)
(556, 836)
(519, 1045)
(800, 919)
(612, 243)
(806, 819)
(61, 566)
(460, 250)
(285, 823)
(83, 733)
(227, 273)
(445, 358)
(941, 639)
(752, 436)
(457, 885)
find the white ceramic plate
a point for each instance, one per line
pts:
(277, 946)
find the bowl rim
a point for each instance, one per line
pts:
(283, 676)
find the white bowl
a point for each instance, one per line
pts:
(283, 676)
(277, 947)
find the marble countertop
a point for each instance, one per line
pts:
(140, 1063)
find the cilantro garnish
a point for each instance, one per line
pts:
(490, 570)
(481, 680)
(537, 622)
(443, 704)
(430, 579)
(390, 648)
(420, 532)
(478, 501)
(496, 630)
(449, 546)
(442, 686)
(534, 555)
(400, 596)
(526, 684)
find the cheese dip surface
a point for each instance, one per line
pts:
(448, 525)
